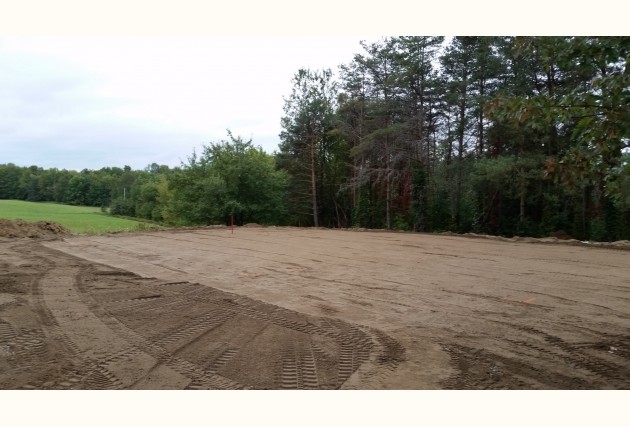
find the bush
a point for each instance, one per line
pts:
(123, 207)
(598, 232)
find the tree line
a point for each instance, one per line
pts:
(229, 179)
(499, 135)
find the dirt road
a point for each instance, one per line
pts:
(269, 308)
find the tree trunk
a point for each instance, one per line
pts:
(480, 144)
(314, 185)
(521, 215)
(388, 192)
(460, 157)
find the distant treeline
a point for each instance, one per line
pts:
(229, 178)
(498, 135)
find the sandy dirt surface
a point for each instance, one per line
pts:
(283, 308)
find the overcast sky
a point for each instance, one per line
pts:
(94, 84)
(89, 102)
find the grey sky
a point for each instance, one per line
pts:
(89, 102)
(93, 84)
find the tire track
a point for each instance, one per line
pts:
(482, 369)
(199, 378)
(222, 360)
(290, 370)
(541, 360)
(220, 309)
(7, 332)
(299, 369)
(310, 378)
(612, 373)
(198, 328)
(30, 345)
(494, 356)
(116, 330)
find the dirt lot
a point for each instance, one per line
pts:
(276, 308)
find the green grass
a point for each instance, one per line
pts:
(78, 219)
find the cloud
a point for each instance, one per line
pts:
(89, 102)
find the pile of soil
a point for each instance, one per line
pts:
(41, 229)
(619, 244)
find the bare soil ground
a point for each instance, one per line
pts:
(283, 308)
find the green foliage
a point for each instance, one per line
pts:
(363, 213)
(147, 201)
(598, 231)
(163, 209)
(585, 97)
(419, 199)
(122, 207)
(308, 148)
(229, 178)
(401, 223)
(618, 183)
(88, 188)
(502, 135)
(511, 181)
(198, 201)
(255, 189)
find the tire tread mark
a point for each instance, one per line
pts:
(289, 377)
(199, 327)
(99, 377)
(201, 379)
(574, 354)
(6, 332)
(310, 378)
(222, 360)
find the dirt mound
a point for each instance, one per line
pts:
(40, 229)
(561, 235)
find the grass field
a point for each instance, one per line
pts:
(78, 219)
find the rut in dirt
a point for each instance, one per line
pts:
(98, 327)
